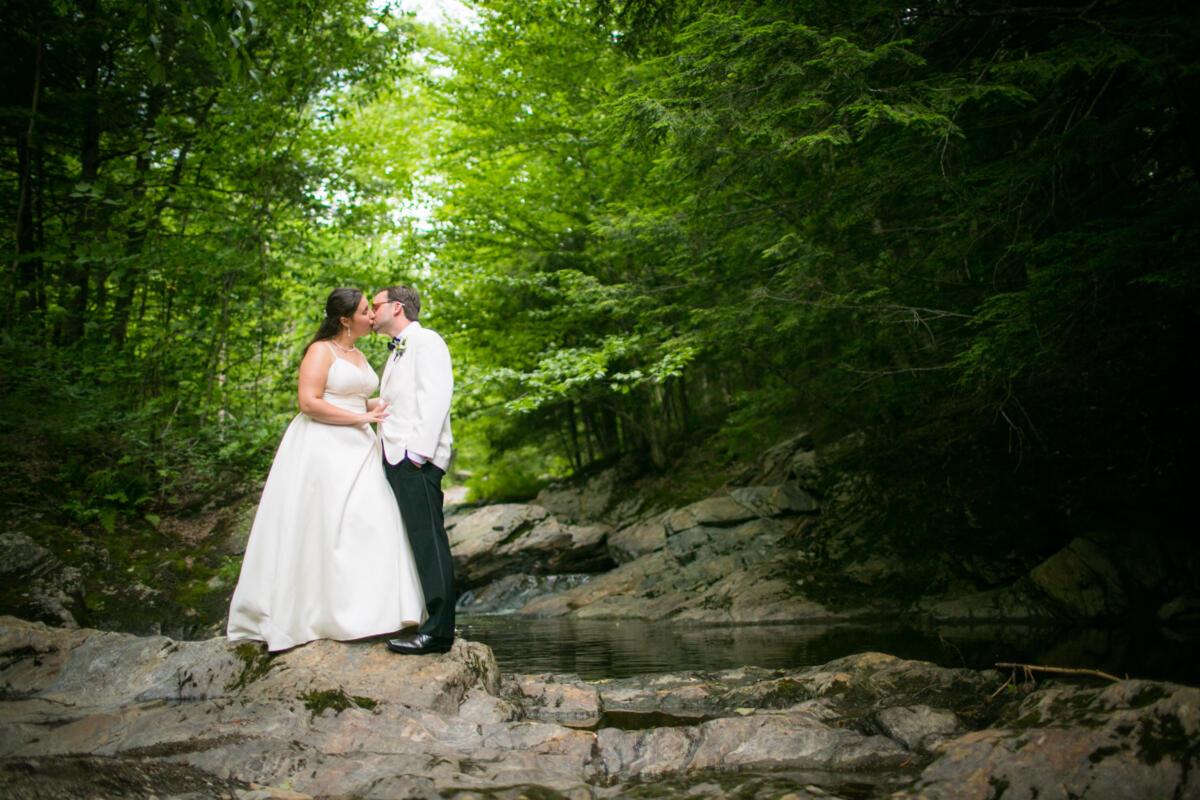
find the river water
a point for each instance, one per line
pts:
(596, 649)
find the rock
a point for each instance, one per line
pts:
(251, 717)
(88, 713)
(712, 511)
(480, 530)
(512, 592)
(1131, 739)
(638, 539)
(626, 511)
(453, 497)
(777, 500)
(792, 740)
(1082, 581)
(20, 555)
(38, 584)
(83, 776)
(757, 594)
(703, 574)
(563, 699)
(586, 503)
(1019, 602)
(483, 708)
(804, 468)
(613, 584)
(1183, 611)
(498, 540)
(918, 727)
(873, 569)
(778, 464)
(701, 563)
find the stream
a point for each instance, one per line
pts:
(597, 649)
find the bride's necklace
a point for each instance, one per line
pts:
(349, 349)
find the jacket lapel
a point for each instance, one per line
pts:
(392, 361)
(387, 371)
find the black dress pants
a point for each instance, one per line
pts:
(418, 491)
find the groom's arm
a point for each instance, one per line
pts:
(434, 383)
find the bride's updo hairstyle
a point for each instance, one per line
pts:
(340, 303)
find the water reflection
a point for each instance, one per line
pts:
(620, 648)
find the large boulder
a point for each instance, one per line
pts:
(1021, 602)
(775, 500)
(1082, 580)
(642, 537)
(791, 459)
(508, 538)
(36, 583)
(513, 592)
(1130, 739)
(919, 727)
(717, 511)
(589, 502)
(713, 561)
(1182, 612)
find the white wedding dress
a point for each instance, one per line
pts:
(328, 557)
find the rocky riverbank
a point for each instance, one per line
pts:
(87, 713)
(782, 541)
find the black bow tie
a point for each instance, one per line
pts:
(394, 343)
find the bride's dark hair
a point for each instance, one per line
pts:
(340, 303)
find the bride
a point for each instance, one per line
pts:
(328, 557)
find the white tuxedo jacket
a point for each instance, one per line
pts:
(417, 387)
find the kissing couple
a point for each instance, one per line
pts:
(348, 540)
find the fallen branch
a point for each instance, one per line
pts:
(1003, 686)
(1030, 668)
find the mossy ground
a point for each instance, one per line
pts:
(137, 578)
(321, 700)
(256, 663)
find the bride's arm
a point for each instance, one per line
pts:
(313, 370)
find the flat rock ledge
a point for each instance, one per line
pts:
(86, 713)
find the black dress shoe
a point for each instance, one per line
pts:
(420, 644)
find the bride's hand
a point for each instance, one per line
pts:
(377, 414)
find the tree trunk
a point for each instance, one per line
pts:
(78, 273)
(572, 432)
(26, 267)
(685, 411)
(135, 241)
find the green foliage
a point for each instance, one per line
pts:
(643, 227)
(657, 223)
(180, 212)
(509, 478)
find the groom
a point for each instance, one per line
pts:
(416, 385)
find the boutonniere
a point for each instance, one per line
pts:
(397, 346)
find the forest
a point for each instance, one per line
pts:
(658, 233)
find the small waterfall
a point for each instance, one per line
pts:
(512, 592)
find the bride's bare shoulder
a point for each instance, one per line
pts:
(318, 356)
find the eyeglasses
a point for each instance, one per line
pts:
(376, 306)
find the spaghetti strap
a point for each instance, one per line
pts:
(339, 357)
